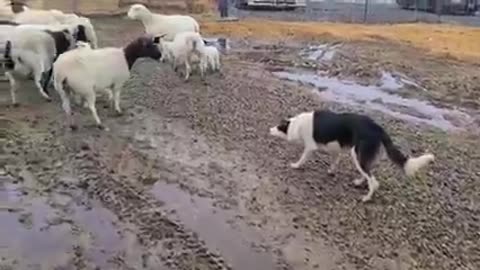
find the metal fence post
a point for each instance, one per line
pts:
(416, 10)
(365, 11)
(307, 9)
(439, 9)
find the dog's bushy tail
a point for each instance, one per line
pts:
(410, 165)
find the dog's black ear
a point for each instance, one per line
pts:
(283, 126)
(156, 40)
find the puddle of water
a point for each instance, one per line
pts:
(378, 98)
(45, 235)
(212, 226)
(105, 242)
(28, 239)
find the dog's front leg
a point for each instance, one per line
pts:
(306, 153)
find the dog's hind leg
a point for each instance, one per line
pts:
(333, 166)
(335, 150)
(363, 156)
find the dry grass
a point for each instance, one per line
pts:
(457, 41)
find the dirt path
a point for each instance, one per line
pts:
(188, 177)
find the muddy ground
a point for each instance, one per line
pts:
(188, 178)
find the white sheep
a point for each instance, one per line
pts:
(27, 15)
(32, 53)
(48, 17)
(88, 71)
(187, 48)
(80, 45)
(212, 56)
(160, 24)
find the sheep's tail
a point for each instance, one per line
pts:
(409, 165)
(6, 12)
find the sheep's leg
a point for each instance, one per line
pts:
(13, 87)
(202, 67)
(109, 94)
(217, 66)
(116, 98)
(90, 98)
(188, 69)
(38, 79)
(48, 77)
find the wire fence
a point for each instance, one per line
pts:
(351, 11)
(373, 11)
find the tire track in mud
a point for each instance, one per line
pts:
(180, 249)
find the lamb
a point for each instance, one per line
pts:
(160, 24)
(187, 48)
(31, 53)
(88, 71)
(212, 58)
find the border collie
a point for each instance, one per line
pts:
(336, 131)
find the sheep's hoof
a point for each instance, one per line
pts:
(16, 105)
(73, 127)
(48, 99)
(118, 113)
(101, 127)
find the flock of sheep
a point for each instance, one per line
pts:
(41, 44)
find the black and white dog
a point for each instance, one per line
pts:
(337, 131)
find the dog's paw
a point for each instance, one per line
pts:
(295, 165)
